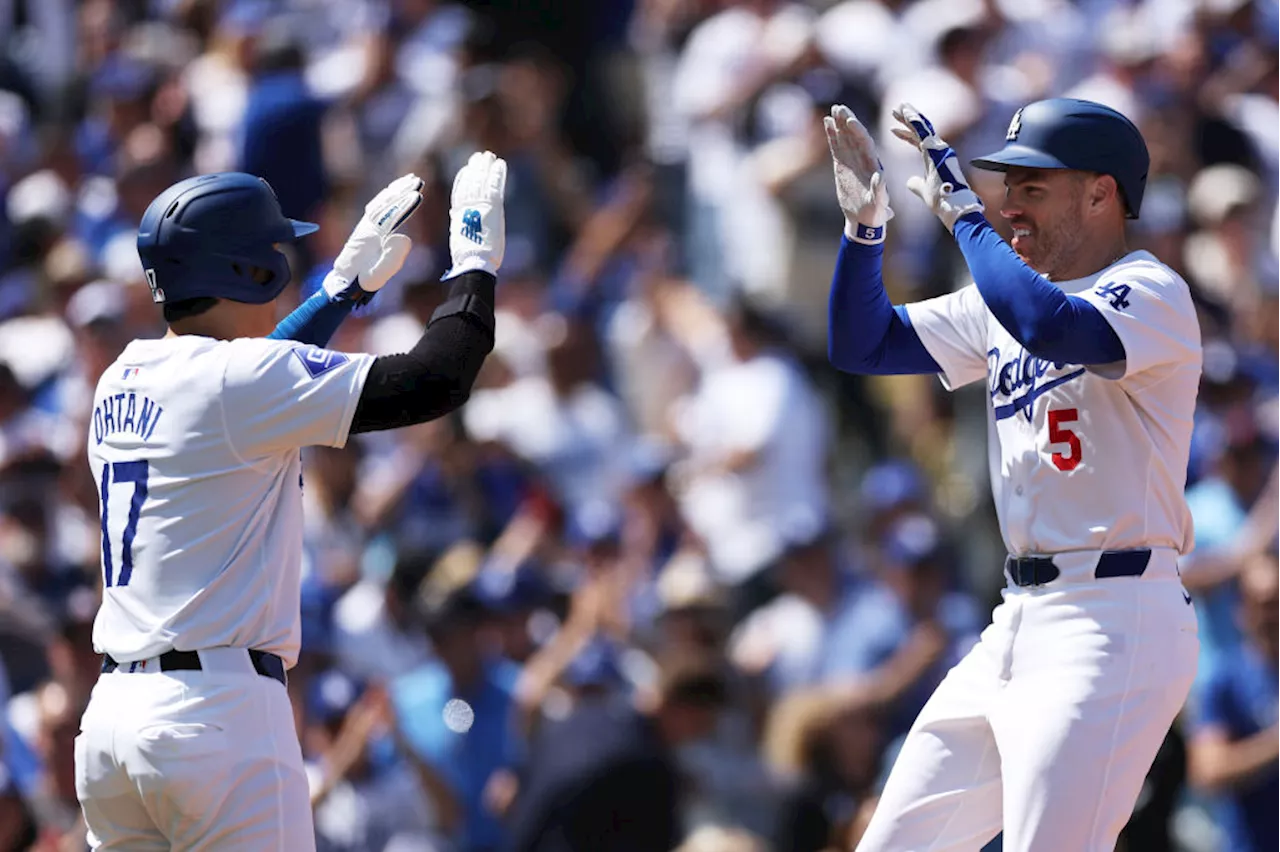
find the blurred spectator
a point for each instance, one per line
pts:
(605, 777)
(790, 638)
(473, 743)
(1229, 257)
(728, 60)
(899, 639)
(366, 793)
(828, 751)
(281, 139)
(56, 810)
(756, 436)
(518, 602)
(374, 630)
(889, 491)
(1219, 505)
(1234, 743)
(563, 422)
(693, 614)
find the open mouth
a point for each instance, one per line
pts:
(1021, 239)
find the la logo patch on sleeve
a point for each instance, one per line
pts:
(319, 361)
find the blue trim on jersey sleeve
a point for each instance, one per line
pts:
(1049, 323)
(865, 332)
(315, 320)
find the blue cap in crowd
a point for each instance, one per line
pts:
(331, 694)
(912, 541)
(503, 590)
(123, 79)
(595, 665)
(891, 484)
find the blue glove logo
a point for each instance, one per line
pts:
(471, 225)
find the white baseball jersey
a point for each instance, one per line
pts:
(1084, 458)
(194, 444)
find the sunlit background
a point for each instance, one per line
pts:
(660, 493)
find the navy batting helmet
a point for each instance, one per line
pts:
(1065, 133)
(214, 236)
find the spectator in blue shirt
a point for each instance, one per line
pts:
(1234, 743)
(282, 126)
(902, 635)
(1219, 505)
(120, 92)
(472, 744)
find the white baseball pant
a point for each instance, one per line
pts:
(1048, 727)
(193, 760)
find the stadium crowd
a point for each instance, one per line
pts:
(668, 579)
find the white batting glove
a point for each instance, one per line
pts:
(374, 252)
(860, 186)
(943, 186)
(477, 221)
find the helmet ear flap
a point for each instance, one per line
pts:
(279, 270)
(267, 273)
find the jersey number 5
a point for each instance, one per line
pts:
(1059, 435)
(122, 472)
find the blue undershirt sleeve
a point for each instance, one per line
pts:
(315, 320)
(865, 332)
(1049, 323)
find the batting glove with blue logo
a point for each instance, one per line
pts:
(477, 222)
(860, 187)
(374, 252)
(943, 186)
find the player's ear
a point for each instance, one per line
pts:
(1103, 191)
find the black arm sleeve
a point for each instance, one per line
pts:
(435, 376)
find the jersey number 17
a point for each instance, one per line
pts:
(122, 473)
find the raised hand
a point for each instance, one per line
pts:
(374, 252)
(477, 222)
(860, 186)
(943, 186)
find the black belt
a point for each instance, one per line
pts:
(1038, 570)
(264, 663)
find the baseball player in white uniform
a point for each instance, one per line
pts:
(1091, 357)
(188, 741)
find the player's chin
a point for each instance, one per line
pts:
(1024, 247)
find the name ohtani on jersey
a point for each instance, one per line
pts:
(126, 412)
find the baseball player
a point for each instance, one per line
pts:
(1091, 355)
(188, 741)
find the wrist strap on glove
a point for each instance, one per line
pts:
(469, 304)
(866, 234)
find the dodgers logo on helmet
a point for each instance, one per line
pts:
(1015, 127)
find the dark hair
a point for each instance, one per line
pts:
(187, 308)
(748, 317)
(694, 681)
